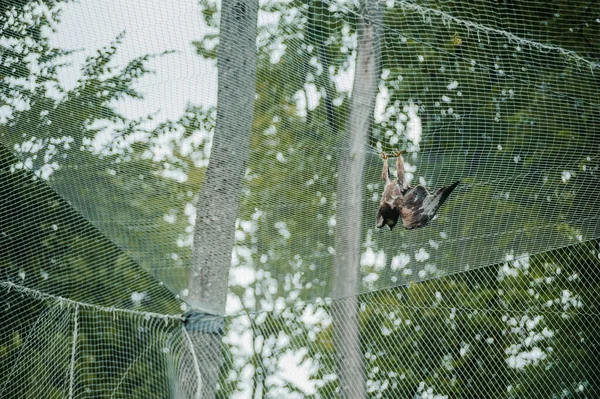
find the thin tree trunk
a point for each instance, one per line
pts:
(220, 194)
(346, 334)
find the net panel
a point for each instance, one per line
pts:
(520, 329)
(56, 348)
(48, 248)
(465, 96)
(486, 115)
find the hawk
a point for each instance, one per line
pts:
(415, 205)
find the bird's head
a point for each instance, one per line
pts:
(387, 216)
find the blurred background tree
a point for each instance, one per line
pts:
(497, 298)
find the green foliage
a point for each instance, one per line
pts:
(51, 249)
(455, 334)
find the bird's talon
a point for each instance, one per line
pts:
(384, 155)
(397, 152)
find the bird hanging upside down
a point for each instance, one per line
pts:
(415, 205)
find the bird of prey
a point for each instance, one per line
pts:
(415, 205)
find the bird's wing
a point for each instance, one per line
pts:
(419, 206)
(412, 207)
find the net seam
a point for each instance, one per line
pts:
(508, 178)
(328, 300)
(73, 350)
(483, 310)
(69, 302)
(510, 36)
(469, 238)
(446, 18)
(156, 280)
(196, 363)
(511, 76)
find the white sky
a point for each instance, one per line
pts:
(151, 26)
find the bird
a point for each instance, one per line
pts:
(392, 197)
(416, 206)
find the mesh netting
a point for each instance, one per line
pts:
(108, 116)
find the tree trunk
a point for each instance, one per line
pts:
(220, 195)
(346, 279)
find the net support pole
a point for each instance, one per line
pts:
(346, 333)
(220, 194)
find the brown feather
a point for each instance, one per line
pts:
(415, 205)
